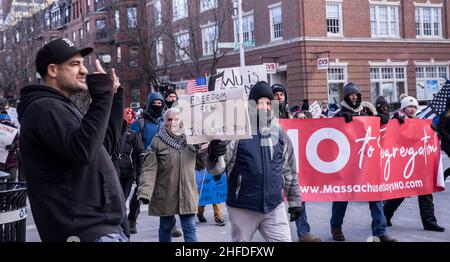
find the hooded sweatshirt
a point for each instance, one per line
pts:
(73, 187)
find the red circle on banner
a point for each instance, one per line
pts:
(328, 150)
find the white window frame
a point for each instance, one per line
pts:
(340, 17)
(118, 54)
(159, 52)
(132, 22)
(424, 77)
(419, 12)
(74, 36)
(272, 25)
(81, 33)
(179, 9)
(180, 54)
(117, 20)
(379, 66)
(207, 41)
(87, 26)
(337, 65)
(389, 6)
(158, 12)
(206, 5)
(248, 21)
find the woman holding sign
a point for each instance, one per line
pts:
(168, 179)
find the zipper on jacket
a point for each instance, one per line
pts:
(238, 188)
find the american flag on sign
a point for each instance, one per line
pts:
(437, 105)
(197, 85)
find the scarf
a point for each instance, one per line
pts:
(354, 110)
(177, 144)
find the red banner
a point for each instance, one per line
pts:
(358, 161)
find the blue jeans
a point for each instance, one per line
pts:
(302, 224)
(187, 224)
(376, 210)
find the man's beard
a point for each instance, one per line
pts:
(73, 89)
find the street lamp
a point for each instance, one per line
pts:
(237, 7)
(106, 59)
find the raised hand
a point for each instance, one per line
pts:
(116, 82)
(99, 68)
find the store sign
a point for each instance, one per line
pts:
(323, 63)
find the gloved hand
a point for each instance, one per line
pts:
(348, 117)
(401, 119)
(216, 148)
(295, 212)
(384, 119)
(144, 201)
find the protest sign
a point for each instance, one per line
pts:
(235, 77)
(211, 189)
(7, 135)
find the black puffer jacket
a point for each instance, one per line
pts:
(443, 129)
(73, 186)
(129, 153)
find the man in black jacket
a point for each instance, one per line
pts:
(73, 188)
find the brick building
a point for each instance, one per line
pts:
(387, 47)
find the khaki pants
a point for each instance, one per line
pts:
(273, 227)
(217, 211)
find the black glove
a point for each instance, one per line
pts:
(348, 117)
(144, 201)
(216, 148)
(295, 212)
(11, 147)
(401, 119)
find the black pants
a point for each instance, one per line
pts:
(134, 204)
(126, 183)
(426, 207)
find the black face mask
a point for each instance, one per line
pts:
(169, 104)
(157, 110)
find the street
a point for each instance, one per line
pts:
(407, 226)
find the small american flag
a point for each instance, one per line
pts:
(197, 85)
(438, 104)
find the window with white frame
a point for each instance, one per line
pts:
(384, 20)
(131, 17)
(334, 18)
(17, 36)
(74, 36)
(248, 29)
(159, 52)
(428, 22)
(180, 9)
(337, 78)
(276, 23)
(158, 12)
(429, 80)
(182, 46)
(389, 81)
(209, 37)
(117, 20)
(47, 19)
(80, 33)
(86, 25)
(118, 54)
(207, 4)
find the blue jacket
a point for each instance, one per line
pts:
(149, 124)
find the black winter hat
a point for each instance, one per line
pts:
(351, 88)
(170, 91)
(381, 101)
(278, 88)
(57, 52)
(260, 89)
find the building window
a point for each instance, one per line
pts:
(47, 19)
(117, 20)
(159, 52)
(86, 25)
(133, 53)
(118, 54)
(88, 6)
(428, 22)
(429, 80)
(207, 5)
(181, 46)
(17, 36)
(132, 17)
(248, 28)
(56, 17)
(384, 20)
(337, 78)
(135, 93)
(158, 12)
(334, 18)
(180, 9)
(209, 37)
(389, 82)
(74, 36)
(276, 23)
(80, 33)
(100, 26)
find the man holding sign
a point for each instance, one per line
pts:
(255, 192)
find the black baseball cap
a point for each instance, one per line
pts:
(57, 52)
